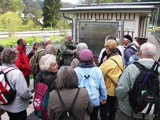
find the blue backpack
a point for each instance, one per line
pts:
(88, 82)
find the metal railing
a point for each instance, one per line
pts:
(157, 34)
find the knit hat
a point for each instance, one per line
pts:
(128, 37)
(86, 55)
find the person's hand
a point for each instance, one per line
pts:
(103, 101)
(75, 50)
(104, 59)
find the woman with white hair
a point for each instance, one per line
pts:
(48, 73)
(75, 62)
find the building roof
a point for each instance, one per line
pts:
(140, 6)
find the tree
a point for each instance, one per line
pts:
(12, 21)
(33, 7)
(11, 5)
(51, 12)
(63, 25)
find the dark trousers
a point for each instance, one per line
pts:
(107, 111)
(27, 80)
(94, 114)
(18, 116)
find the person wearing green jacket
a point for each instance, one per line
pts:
(68, 50)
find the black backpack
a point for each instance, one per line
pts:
(59, 58)
(144, 97)
(67, 114)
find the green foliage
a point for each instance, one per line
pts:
(12, 21)
(51, 12)
(33, 7)
(31, 23)
(13, 41)
(11, 5)
(62, 25)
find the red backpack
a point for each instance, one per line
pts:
(40, 101)
(7, 94)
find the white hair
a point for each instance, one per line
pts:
(68, 34)
(148, 49)
(81, 46)
(46, 39)
(45, 62)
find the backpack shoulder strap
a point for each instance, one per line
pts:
(131, 47)
(140, 66)
(73, 103)
(20, 52)
(84, 75)
(75, 98)
(80, 71)
(60, 98)
(8, 69)
(117, 64)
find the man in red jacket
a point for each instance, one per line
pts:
(22, 60)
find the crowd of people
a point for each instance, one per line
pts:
(101, 87)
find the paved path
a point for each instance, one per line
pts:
(30, 110)
(153, 39)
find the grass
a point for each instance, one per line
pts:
(153, 30)
(13, 41)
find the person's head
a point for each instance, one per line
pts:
(136, 44)
(46, 40)
(127, 39)
(110, 37)
(80, 47)
(1, 49)
(66, 78)
(110, 46)
(9, 56)
(118, 41)
(68, 38)
(50, 49)
(86, 57)
(147, 50)
(48, 63)
(36, 45)
(22, 42)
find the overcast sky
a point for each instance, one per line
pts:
(70, 1)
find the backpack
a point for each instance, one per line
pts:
(144, 96)
(7, 94)
(40, 101)
(34, 62)
(88, 82)
(59, 58)
(134, 57)
(67, 114)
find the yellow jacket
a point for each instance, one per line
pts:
(111, 73)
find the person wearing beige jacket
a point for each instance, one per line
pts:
(111, 68)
